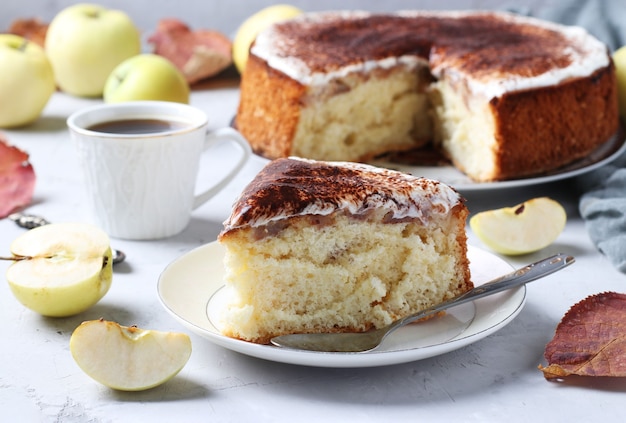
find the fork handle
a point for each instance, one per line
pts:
(514, 279)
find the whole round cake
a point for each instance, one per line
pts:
(502, 96)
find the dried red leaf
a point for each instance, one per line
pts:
(198, 54)
(590, 340)
(17, 179)
(32, 29)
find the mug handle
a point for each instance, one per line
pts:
(228, 134)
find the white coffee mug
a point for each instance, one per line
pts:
(142, 185)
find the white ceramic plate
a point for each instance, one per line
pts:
(190, 290)
(604, 154)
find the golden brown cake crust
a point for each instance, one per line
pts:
(274, 123)
(561, 124)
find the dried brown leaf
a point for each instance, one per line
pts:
(32, 29)
(198, 54)
(17, 179)
(590, 340)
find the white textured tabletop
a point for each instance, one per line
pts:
(495, 379)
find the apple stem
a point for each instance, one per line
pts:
(15, 258)
(22, 46)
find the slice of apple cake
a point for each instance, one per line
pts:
(317, 246)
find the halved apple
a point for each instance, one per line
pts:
(61, 269)
(521, 229)
(128, 358)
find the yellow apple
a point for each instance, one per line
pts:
(248, 31)
(60, 269)
(146, 77)
(522, 229)
(26, 81)
(85, 42)
(619, 58)
(128, 358)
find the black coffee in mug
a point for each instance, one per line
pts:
(138, 126)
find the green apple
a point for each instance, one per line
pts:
(60, 269)
(249, 29)
(85, 42)
(146, 77)
(26, 81)
(128, 358)
(522, 229)
(619, 58)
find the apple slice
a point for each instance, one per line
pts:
(128, 358)
(522, 229)
(60, 269)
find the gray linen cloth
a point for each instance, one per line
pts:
(603, 207)
(605, 19)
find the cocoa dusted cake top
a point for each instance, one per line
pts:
(294, 187)
(496, 51)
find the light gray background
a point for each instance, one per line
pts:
(606, 19)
